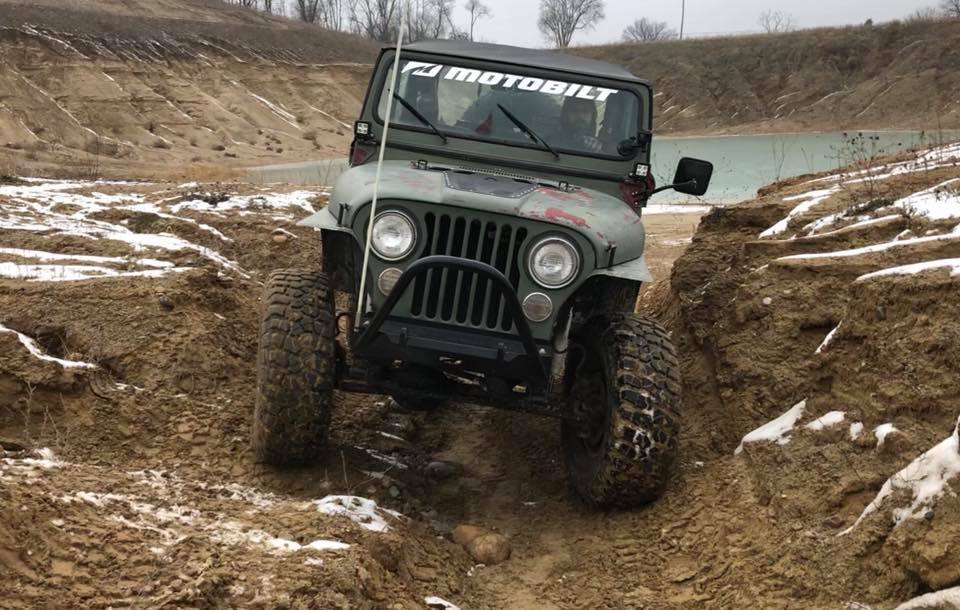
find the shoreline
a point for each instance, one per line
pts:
(954, 133)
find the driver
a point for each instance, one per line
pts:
(578, 126)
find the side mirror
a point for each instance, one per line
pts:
(693, 176)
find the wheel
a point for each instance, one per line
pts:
(618, 296)
(627, 384)
(295, 368)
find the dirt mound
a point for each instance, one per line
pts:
(817, 327)
(127, 346)
(83, 536)
(827, 308)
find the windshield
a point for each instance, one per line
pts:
(566, 115)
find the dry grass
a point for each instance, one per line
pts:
(893, 76)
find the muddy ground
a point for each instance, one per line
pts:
(149, 497)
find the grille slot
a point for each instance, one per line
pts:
(463, 297)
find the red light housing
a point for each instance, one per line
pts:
(635, 190)
(359, 154)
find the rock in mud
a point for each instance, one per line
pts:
(440, 470)
(465, 534)
(400, 424)
(834, 522)
(489, 549)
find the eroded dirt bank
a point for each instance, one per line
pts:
(88, 92)
(148, 496)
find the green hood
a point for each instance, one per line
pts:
(603, 220)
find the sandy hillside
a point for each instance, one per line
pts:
(817, 327)
(898, 75)
(94, 89)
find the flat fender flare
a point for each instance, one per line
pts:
(635, 270)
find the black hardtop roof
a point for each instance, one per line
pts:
(520, 56)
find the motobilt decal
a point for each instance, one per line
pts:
(508, 81)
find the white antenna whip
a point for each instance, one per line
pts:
(376, 180)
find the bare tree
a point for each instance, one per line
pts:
(429, 19)
(951, 8)
(478, 10)
(927, 13)
(776, 21)
(377, 19)
(307, 10)
(560, 19)
(644, 30)
(331, 14)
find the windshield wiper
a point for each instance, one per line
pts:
(528, 131)
(420, 117)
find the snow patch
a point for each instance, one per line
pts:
(870, 249)
(386, 459)
(777, 431)
(939, 202)
(69, 273)
(856, 429)
(827, 420)
(828, 339)
(953, 264)
(361, 511)
(35, 350)
(46, 257)
(925, 478)
(267, 201)
(38, 207)
(45, 460)
(882, 432)
(170, 523)
(438, 602)
(812, 199)
(233, 533)
(932, 601)
(832, 219)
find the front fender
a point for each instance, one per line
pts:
(324, 221)
(635, 270)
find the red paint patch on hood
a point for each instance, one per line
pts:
(577, 195)
(558, 215)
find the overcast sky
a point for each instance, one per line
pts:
(515, 21)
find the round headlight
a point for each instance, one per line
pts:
(554, 262)
(394, 235)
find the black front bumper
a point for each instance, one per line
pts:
(515, 355)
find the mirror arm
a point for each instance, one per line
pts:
(691, 182)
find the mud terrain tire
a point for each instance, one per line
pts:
(628, 381)
(295, 368)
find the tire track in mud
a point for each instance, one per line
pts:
(565, 555)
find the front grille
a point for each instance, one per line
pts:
(463, 297)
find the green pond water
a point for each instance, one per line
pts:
(742, 164)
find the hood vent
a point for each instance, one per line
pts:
(488, 184)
